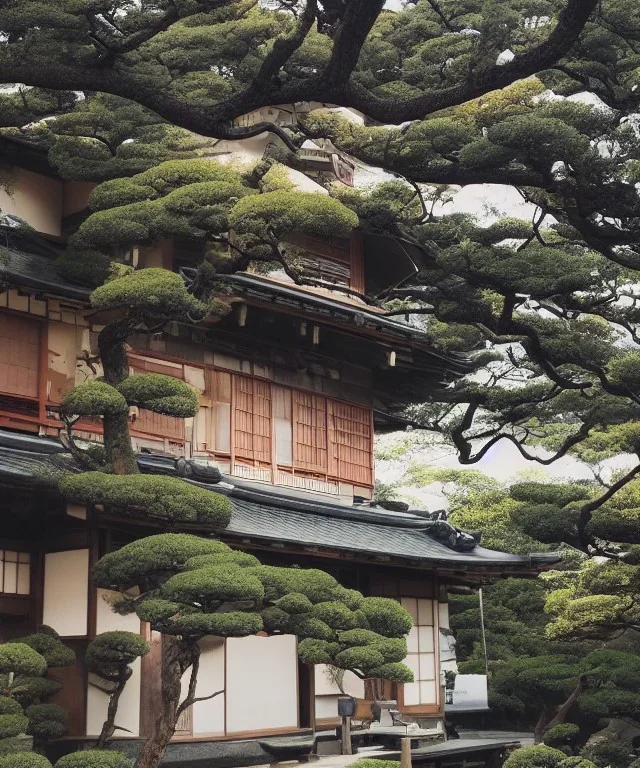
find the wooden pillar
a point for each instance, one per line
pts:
(405, 753)
(306, 696)
(346, 736)
(150, 698)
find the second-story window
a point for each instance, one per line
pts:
(15, 572)
(327, 259)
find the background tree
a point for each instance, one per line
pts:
(189, 587)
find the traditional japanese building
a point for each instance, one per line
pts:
(292, 384)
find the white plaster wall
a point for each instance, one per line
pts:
(208, 716)
(443, 615)
(327, 692)
(97, 701)
(66, 588)
(35, 198)
(262, 683)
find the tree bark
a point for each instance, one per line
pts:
(539, 730)
(563, 710)
(115, 367)
(177, 656)
(109, 727)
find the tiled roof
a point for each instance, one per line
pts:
(270, 516)
(35, 271)
(270, 522)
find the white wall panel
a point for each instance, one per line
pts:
(208, 716)
(262, 683)
(66, 588)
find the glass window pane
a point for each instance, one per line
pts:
(24, 577)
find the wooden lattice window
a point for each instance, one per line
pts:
(325, 258)
(252, 419)
(19, 356)
(350, 440)
(15, 572)
(309, 432)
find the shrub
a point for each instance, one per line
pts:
(94, 758)
(561, 735)
(578, 762)
(46, 641)
(9, 706)
(539, 756)
(47, 721)
(12, 725)
(15, 744)
(608, 751)
(24, 760)
(369, 762)
(21, 660)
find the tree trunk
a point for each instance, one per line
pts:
(563, 710)
(115, 367)
(117, 444)
(539, 730)
(177, 656)
(109, 726)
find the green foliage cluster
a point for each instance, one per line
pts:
(153, 391)
(192, 587)
(151, 496)
(24, 760)
(542, 756)
(94, 758)
(110, 653)
(149, 292)
(24, 688)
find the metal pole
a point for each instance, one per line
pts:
(484, 637)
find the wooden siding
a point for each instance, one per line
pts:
(252, 419)
(310, 432)
(19, 355)
(350, 436)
